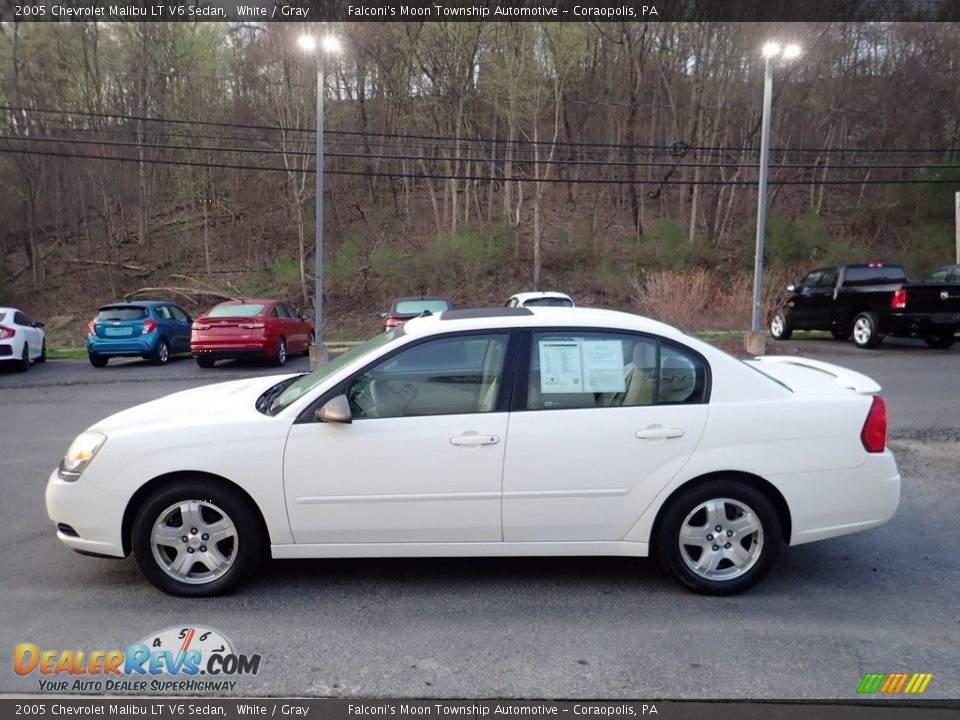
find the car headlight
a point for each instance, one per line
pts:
(79, 454)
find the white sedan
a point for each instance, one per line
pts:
(501, 432)
(21, 341)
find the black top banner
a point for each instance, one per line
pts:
(481, 10)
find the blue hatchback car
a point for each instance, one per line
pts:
(151, 329)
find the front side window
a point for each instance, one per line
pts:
(589, 370)
(810, 281)
(444, 376)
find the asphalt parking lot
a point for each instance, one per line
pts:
(881, 601)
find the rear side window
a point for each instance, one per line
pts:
(179, 314)
(163, 312)
(588, 370)
(125, 312)
(828, 279)
(881, 275)
(236, 310)
(2, 316)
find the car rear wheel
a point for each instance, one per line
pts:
(780, 328)
(98, 361)
(161, 356)
(719, 537)
(281, 357)
(310, 341)
(196, 538)
(205, 362)
(24, 363)
(939, 342)
(865, 332)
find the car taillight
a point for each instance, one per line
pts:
(6, 332)
(899, 300)
(92, 327)
(874, 433)
(392, 322)
(200, 326)
(148, 327)
(252, 326)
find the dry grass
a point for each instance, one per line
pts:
(697, 300)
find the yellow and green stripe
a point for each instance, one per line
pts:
(894, 683)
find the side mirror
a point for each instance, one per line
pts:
(39, 325)
(791, 288)
(335, 410)
(383, 316)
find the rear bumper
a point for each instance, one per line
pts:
(122, 347)
(945, 323)
(839, 502)
(228, 353)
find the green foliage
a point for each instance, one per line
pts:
(670, 241)
(285, 271)
(931, 244)
(341, 271)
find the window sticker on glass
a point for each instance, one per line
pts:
(602, 366)
(561, 367)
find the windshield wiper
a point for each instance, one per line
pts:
(265, 401)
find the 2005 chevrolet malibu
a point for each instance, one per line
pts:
(502, 432)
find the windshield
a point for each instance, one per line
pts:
(236, 310)
(306, 383)
(110, 314)
(415, 307)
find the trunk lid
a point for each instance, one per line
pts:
(814, 377)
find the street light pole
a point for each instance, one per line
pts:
(756, 338)
(757, 346)
(318, 351)
(329, 44)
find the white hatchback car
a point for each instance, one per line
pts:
(499, 432)
(21, 341)
(540, 298)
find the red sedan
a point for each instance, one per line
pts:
(253, 327)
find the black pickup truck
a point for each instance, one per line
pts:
(871, 300)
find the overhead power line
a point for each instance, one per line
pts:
(478, 178)
(674, 147)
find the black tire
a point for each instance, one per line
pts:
(281, 357)
(779, 327)
(98, 361)
(758, 548)
(840, 334)
(205, 361)
(310, 341)
(866, 333)
(24, 363)
(939, 342)
(243, 551)
(161, 355)
(43, 353)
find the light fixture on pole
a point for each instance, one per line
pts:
(756, 339)
(328, 45)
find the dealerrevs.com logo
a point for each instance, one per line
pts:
(187, 659)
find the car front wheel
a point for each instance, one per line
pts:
(780, 328)
(865, 332)
(719, 537)
(197, 539)
(24, 363)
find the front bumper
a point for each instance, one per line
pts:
(96, 516)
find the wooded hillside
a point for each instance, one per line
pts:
(470, 159)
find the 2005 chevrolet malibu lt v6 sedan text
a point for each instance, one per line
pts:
(509, 431)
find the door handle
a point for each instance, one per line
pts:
(660, 433)
(474, 440)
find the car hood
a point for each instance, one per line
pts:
(199, 406)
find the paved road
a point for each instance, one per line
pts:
(880, 601)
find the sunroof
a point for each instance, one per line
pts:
(476, 313)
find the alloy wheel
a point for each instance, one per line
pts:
(194, 541)
(721, 539)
